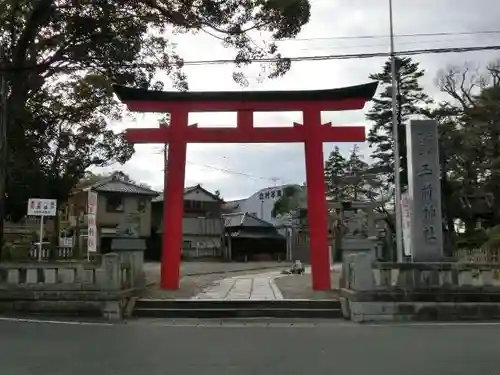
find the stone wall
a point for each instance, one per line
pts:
(377, 291)
(79, 287)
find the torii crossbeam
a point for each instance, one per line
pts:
(312, 133)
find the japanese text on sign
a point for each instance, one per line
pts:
(425, 144)
(91, 233)
(425, 149)
(92, 203)
(91, 221)
(428, 213)
(42, 207)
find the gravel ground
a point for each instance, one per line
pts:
(300, 287)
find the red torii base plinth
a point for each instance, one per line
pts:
(312, 133)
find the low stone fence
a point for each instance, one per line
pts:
(378, 291)
(411, 276)
(79, 287)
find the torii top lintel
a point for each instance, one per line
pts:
(311, 103)
(346, 98)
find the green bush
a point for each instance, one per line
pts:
(472, 240)
(493, 237)
(16, 251)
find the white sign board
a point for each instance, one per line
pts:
(91, 221)
(92, 203)
(66, 242)
(42, 207)
(406, 223)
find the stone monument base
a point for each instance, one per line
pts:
(377, 291)
(353, 246)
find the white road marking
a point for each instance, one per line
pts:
(257, 322)
(67, 322)
(431, 324)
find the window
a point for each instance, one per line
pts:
(266, 195)
(278, 193)
(141, 205)
(273, 193)
(114, 203)
(193, 205)
(261, 196)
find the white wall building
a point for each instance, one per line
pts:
(259, 204)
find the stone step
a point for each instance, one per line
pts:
(237, 308)
(237, 313)
(237, 304)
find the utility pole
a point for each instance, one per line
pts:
(3, 142)
(395, 130)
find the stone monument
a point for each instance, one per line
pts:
(130, 247)
(358, 221)
(424, 192)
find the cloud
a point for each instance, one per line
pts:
(240, 170)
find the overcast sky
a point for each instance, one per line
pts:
(239, 170)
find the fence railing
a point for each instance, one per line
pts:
(478, 255)
(205, 252)
(61, 252)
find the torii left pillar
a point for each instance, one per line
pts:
(312, 133)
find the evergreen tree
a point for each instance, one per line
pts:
(356, 176)
(60, 58)
(335, 168)
(411, 101)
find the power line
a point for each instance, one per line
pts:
(351, 46)
(230, 171)
(426, 51)
(382, 36)
(225, 170)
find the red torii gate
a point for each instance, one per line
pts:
(312, 133)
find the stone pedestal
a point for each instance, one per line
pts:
(131, 251)
(424, 191)
(359, 246)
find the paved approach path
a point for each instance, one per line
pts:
(259, 286)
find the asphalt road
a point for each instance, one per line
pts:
(153, 348)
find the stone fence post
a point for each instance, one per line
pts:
(108, 276)
(358, 272)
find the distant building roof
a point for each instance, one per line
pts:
(244, 219)
(187, 190)
(232, 205)
(114, 185)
